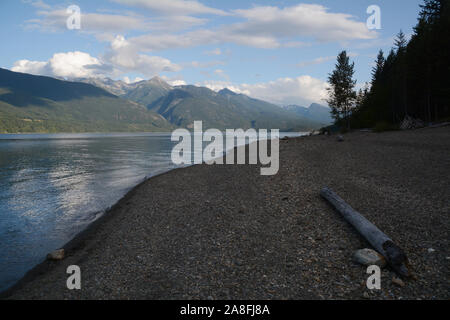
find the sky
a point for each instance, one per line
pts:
(279, 51)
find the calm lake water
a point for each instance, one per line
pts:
(53, 186)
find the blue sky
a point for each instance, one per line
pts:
(280, 51)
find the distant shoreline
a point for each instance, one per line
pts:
(226, 232)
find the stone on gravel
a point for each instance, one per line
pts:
(56, 255)
(368, 257)
(398, 282)
(340, 138)
(431, 250)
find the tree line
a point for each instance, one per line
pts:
(411, 80)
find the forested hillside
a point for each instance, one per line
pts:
(31, 103)
(413, 79)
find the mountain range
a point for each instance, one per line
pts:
(181, 105)
(314, 112)
(30, 103)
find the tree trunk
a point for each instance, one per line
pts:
(381, 242)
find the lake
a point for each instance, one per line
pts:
(53, 185)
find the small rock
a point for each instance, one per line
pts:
(398, 282)
(431, 250)
(368, 257)
(340, 138)
(365, 295)
(56, 255)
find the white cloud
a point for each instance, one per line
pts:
(315, 61)
(174, 81)
(173, 7)
(302, 90)
(320, 60)
(306, 20)
(33, 67)
(266, 27)
(206, 64)
(99, 23)
(218, 85)
(125, 57)
(262, 26)
(56, 20)
(118, 60)
(175, 23)
(37, 4)
(127, 80)
(67, 65)
(177, 82)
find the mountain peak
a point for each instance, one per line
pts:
(157, 79)
(227, 91)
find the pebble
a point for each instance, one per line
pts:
(368, 257)
(398, 282)
(56, 255)
(365, 295)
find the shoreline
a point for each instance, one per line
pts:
(44, 266)
(87, 240)
(78, 240)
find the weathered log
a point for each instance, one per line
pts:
(381, 242)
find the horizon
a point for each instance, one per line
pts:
(217, 90)
(272, 52)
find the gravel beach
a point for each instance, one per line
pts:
(226, 232)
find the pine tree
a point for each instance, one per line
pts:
(400, 43)
(341, 91)
(400, 46)
(414, 77)
(378, 69)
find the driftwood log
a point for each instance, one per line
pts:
(381, 242)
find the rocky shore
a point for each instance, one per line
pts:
(226, 232)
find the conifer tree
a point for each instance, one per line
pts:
(341, 91)
(378, 69)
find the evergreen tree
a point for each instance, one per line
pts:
(412, 80)
(401, 70)
(341, 91)
(378, 69)
(400, 43)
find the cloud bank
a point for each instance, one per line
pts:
(302, 90)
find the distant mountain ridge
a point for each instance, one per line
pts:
(181, 105)
(314, 112)
(30, 103)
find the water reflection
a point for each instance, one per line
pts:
(53, 186)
